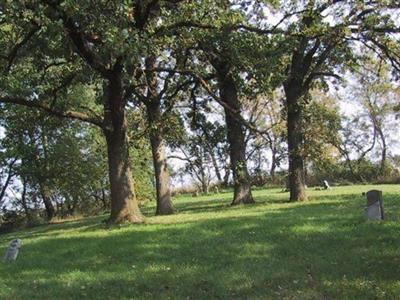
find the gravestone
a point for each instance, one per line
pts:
(12, 251)
(326, 185)
(374, 210)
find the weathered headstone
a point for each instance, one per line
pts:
(326, 185)
(374, 210)
(12, 251)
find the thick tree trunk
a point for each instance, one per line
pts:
(295, 141)
(124, 204)
(236, 139)
(161, 173)
(158, 145)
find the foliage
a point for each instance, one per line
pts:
(73, 162)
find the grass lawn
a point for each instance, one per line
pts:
(320, 249)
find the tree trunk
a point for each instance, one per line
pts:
(29, 221)
(204, 184)
(384, 150)
(7, 182)
(45, 192)
(215, 165)
(74, 206)
(42, 174)
(203, 175)
(295, 141)
(158, 145)
(236, 140)
(161, 173)
(104, 199)
(227, 174)
(124, 204)
(273, 166)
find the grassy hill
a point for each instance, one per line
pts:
(319, 249)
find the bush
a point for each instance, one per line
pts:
(11, 220)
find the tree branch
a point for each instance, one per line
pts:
(58, 113)
(14, 52)
(8, 180)
(204, 84)
(78, 39)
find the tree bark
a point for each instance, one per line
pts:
(203, 175)
(161, 173)
(226, 176)
(45, 189)
(215, 165)
(204, 183)
(7, 182)
(41, 173)
(384, 150)
(45, 192)
(104, 199)
(273, 166)
(124, 204)
(152, 102)
(28, 215)
(295, 141)
(236, 138)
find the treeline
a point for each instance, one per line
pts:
(94, 95)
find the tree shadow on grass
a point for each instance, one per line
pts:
(308, 251)
(55, 229)
(193, 207)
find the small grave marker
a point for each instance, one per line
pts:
(374, 210)
(12, 251)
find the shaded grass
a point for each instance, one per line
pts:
(320, 249)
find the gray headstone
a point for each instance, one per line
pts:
(12, 251)
(374, 210)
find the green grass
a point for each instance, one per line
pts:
(320, 249)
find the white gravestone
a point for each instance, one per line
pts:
(12, 251)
